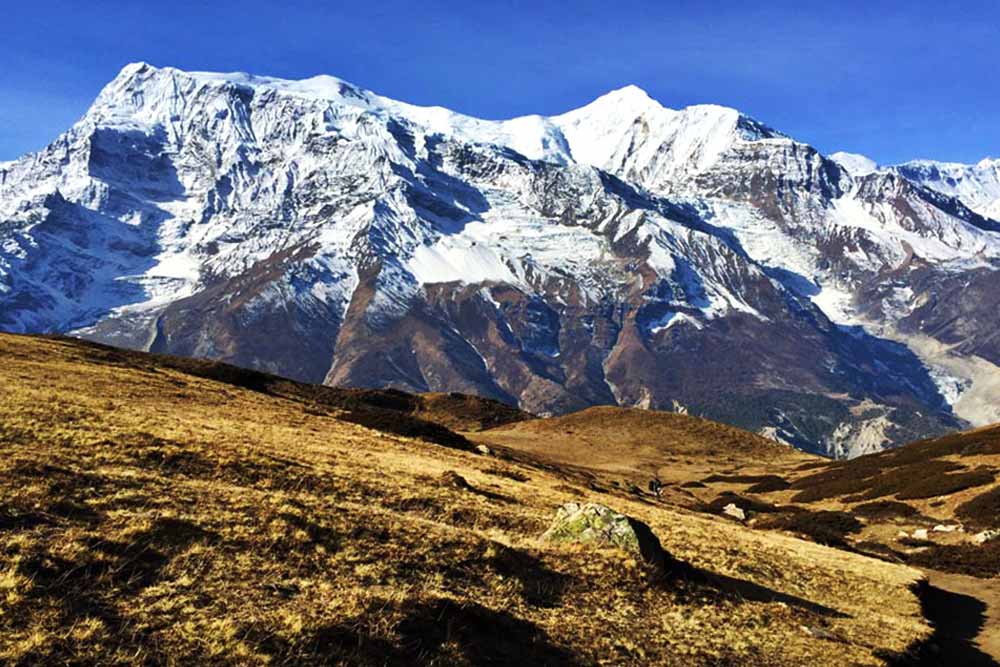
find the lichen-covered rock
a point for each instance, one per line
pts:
(591, 523)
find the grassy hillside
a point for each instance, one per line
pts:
(631, 432)
(877, 503)
(157, 511)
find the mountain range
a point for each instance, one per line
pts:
(622, 253)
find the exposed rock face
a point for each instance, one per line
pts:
(623, 253)
(591, 523)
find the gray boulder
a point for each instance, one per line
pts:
(591, 523)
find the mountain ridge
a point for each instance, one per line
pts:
(622, 253)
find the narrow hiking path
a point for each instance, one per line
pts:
(965, 612)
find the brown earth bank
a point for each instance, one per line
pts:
(164, 511)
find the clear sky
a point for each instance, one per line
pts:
(894, 80)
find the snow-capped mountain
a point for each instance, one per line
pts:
(977, 185)
(621, 253)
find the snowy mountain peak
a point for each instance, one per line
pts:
(854, 163)
(630, 99)
(133, 68)
(623, 125)
(142, 83)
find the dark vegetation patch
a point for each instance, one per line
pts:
(878, 550)
(507, 473)
(984, 442)
(885, 510)
(462, 412)
(813, 415)
(972, 559)
(453, 479)
(915, 471)
(945, 484)
(873, 478)
(746, 504)
(769, 486)
(983, 511)
(825, 527)
(761, 483)
(693, 484)
(915, 542)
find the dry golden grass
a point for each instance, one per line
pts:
(152, 516)
(607, 447)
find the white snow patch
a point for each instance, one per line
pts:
(854, 163)
(836, 304)
(670, 319)
(464, 258)
(976, 185)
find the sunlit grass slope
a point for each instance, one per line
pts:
(154, 511)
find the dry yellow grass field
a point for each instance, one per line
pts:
(150, 514)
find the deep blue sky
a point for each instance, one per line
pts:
(894, 80)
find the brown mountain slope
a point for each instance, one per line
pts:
(632, 430)
(631, 447)
(151, 514)
(952, 482)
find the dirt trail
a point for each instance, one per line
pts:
(965, 612)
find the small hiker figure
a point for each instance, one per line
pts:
(656, 487)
